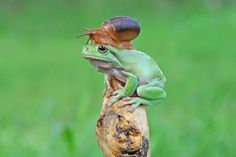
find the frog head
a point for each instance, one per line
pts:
(102, 57)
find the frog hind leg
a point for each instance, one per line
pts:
(149, 94)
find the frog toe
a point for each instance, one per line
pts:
(124, 104)
(133, 107)
(127, 101)
(111, 102)
(128, 98)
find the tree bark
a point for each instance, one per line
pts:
(121, 133)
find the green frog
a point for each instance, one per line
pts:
(137, 70)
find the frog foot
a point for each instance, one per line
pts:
(117, 95)
(134, 103)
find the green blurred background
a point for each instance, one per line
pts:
(50, 97)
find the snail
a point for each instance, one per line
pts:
(117, 32)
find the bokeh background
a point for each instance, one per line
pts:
(50, 97)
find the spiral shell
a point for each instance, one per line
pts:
(122, 28)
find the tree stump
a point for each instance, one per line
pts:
(121, 133)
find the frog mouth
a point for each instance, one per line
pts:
(94, 58)
(101, 63)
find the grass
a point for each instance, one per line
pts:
(50, 96)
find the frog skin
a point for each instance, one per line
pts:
(137, 70)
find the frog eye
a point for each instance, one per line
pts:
(102, 49)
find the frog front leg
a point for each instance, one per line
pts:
(149, 94)
(130, 86)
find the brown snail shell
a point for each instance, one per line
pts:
(117, 32)
(122, 28)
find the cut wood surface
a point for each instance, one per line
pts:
(121, 133)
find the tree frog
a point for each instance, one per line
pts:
(137, 70)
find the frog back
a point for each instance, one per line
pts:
(142, 65)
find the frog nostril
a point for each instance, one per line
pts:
(87, 48)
